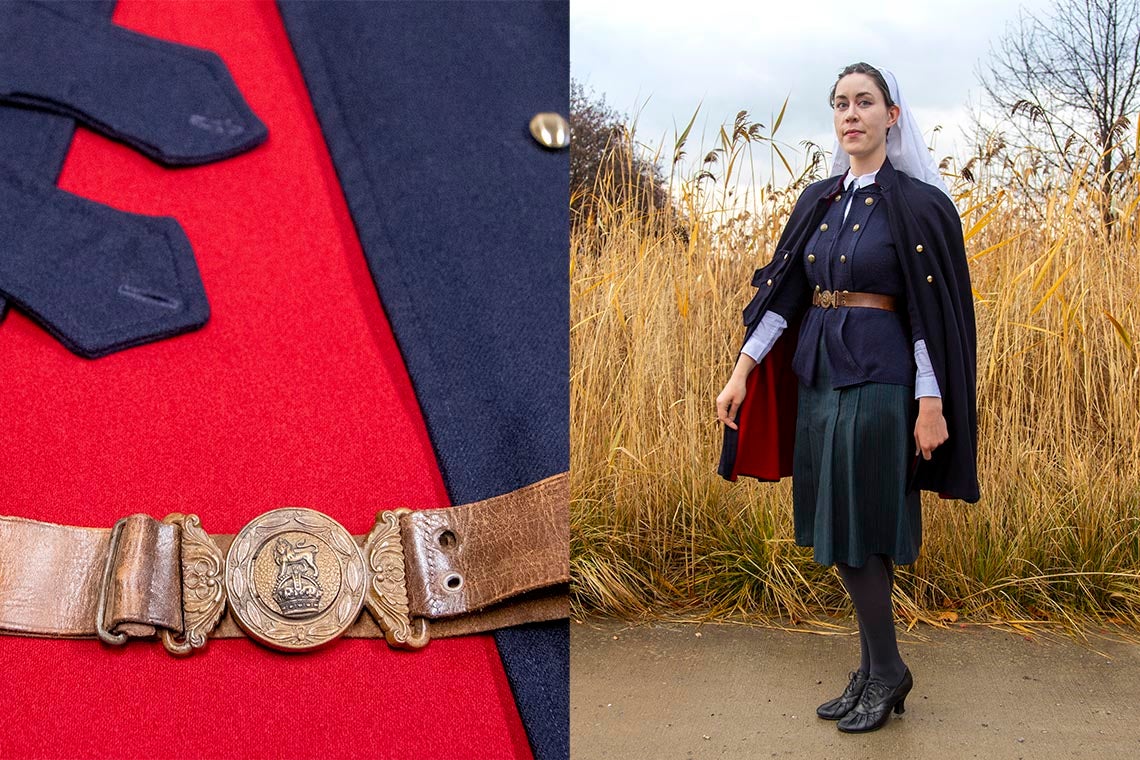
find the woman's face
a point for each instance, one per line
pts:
(861, 115)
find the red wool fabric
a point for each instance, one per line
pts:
(294, 394)
(766, 425)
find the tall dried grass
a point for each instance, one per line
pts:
(655, 330)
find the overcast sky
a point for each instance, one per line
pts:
(659, 60)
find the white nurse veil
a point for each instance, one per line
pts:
(905, 147)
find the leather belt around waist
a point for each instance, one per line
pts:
(293, 578)
(833, 299)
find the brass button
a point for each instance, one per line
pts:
(869, 201)
(918, 248)
(823, 227)
(811, 258)
(816, 288)
(930, 278)
(550, 130)
(855, 228)
(785, 257)
(843, 258)
(769, 283)
(837, 197)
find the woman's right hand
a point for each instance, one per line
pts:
(729, 401)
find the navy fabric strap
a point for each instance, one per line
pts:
(176, 104)
(98, 279)
(36, 140)
(464, 219)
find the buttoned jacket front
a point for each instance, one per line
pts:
(854, 252)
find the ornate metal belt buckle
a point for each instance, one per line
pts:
(826, 299)
(295, 579)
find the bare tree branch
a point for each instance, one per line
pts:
(1069, 79)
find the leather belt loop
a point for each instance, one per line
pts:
(139, 594)
(114, 639)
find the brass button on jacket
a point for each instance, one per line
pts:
(550, 130)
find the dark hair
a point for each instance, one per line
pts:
(869, 70)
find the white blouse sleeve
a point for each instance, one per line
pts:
(925, 383)
(760, 342)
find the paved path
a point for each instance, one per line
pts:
(687, 691)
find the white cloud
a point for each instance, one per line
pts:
(662, 59)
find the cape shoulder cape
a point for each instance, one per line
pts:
(927, 233)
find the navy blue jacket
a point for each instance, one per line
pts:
(927, 233)
(856, 254)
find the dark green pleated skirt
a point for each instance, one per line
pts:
(853, 448)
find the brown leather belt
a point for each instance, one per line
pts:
(293, 578)
(833, 299)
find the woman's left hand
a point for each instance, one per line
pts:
(930, 429)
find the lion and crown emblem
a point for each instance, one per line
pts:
(297, 589)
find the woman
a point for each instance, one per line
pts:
(870, 282)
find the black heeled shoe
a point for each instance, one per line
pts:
(834, 709)
(875, 705)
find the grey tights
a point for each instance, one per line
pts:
(870, 590)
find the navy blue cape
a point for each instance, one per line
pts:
(927, 232)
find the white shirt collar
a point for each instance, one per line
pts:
(861, 181)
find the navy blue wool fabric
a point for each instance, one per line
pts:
(176, 104)
(98, 279)
(464, 221)
(36, 140)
